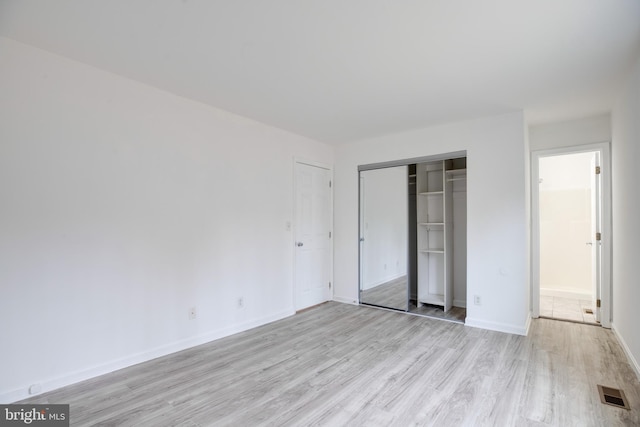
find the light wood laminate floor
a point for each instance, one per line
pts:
(345, 365)
(393, 294)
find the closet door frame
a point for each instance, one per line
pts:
(388, 164)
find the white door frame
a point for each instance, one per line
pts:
(329, 168)
(605, 285)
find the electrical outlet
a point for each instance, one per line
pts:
(240, 302)
(192, 313)
(476, 300)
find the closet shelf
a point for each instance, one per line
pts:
(456, 175)
(435, 220)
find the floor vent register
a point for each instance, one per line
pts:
(613, 397)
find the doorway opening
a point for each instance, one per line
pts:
(571, 234)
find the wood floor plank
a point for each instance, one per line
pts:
(338, 364)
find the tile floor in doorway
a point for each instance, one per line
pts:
(566, 309)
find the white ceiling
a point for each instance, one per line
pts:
(340, 70)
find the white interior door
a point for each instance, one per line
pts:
(596, 242)
(312, 235)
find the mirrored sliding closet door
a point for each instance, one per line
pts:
(384, 237)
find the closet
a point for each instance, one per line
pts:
(413, 252)
(436, 229)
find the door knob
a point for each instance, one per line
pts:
(299, 244)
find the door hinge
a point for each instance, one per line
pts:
(329, 184)
(329, 285)
(598, 302)
(597, 170)
(329, 234)
(598, 236)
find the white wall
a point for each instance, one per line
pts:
(626, 211)
(497, 232)
(588, 130)
(385, 222)
(122, 207)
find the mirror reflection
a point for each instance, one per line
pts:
(384, 237)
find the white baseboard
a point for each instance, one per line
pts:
(625, 347)
(527, 327)
(345, 300)
(566, 293)
(499, 327)
(9, 396)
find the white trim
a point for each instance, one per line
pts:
(605, 152)
(329, 168)
(632, 360)
(314, 163)
(69, 378)
(345, 300)
(528, 324)
(500, 327)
